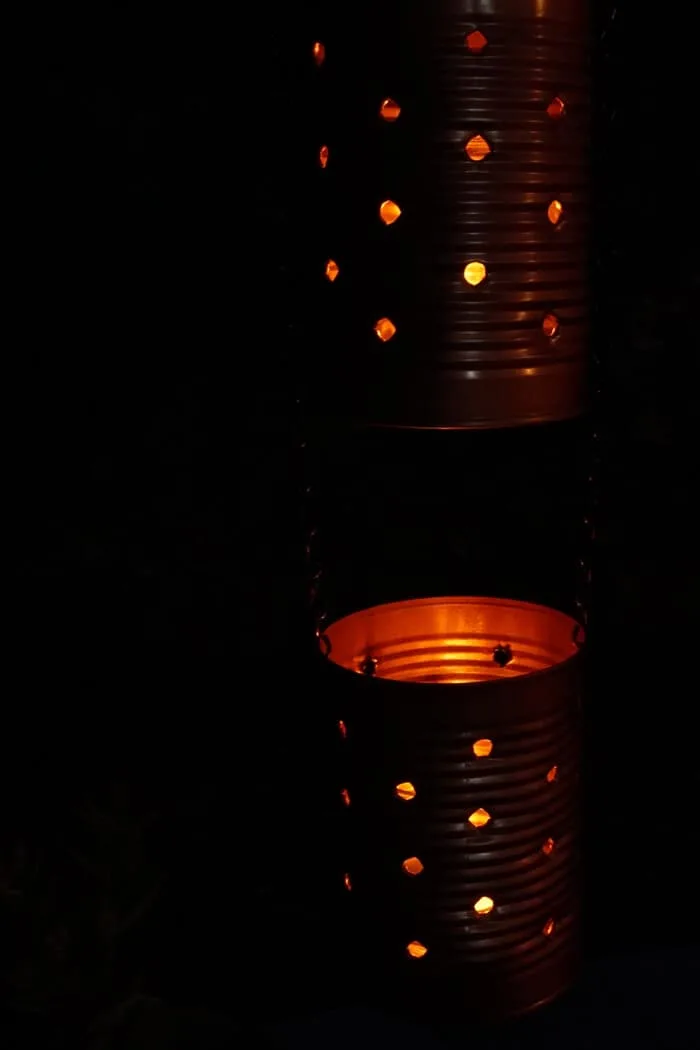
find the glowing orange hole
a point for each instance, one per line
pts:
(342, 729)
(347, 881)
(552, 774)
(483, 906)
(548, 928)
(550, 325)
(390, 110)
(323, 156)
(555, 211)
(476, 41)
(479, 818)
(482, 748)
(332, 270)
(548, 847)
(389, 212)
(477, 148)
(405, 791)
(412, 866)
(474, 273)
(556, 108)
(385, 329)
(319, 53)
(345, 795)
(416, 950)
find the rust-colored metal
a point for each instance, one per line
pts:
(493, 899)
(467, 352)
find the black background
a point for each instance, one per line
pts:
(158, 657)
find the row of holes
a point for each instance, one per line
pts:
(413, 866)
(385, 329)
(389, 212)
(477, 149)
(478, 819)
(475, 42)
(481, 748)
(417, 950)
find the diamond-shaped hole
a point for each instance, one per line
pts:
(385, 329)
(389, 212)
(556, 108)
(483, 906)
(323, 156)
(475, 41)
(405, 791)
(389, 110)
(474, 273)
(477, 148)
(416, 950)
(555, 212)
(413, 866)
(479, 818)
(482, 748)
(550, 325)
(332, 270)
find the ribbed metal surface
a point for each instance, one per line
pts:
(524, 857)
(461, 356)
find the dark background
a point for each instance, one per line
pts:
(166, 840)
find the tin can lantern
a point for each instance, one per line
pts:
(452, 168)
(453, 172)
